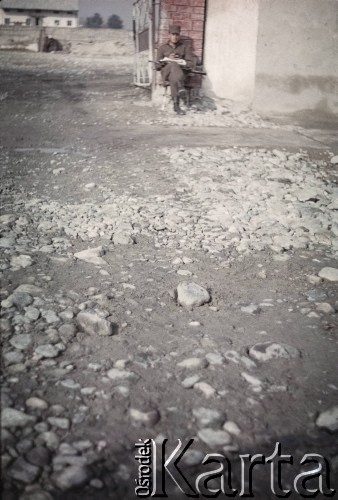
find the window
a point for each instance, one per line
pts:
(28, 22)
(56, 11)
(7, 20)
(69, 23)
(57, 22)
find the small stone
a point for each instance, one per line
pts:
(328, 419)
(192, 295)
(232, 428)
(59, 423)
(15, 418)
(23, 471)
(334, 160)
(97, 484)
(251, 309)
(329, 273)
(313, 280)
(208, 416)
(214, 358)
(21, 299)
(47, 351)
(70, 384)
(36, 404)
(49, 439)
(21, 261)
(121, 375)
(253, 381)
(93, 324)
(90, 185)
(88, 391)
(39, 456)
(144, 418)
(184, 272)
(123, 238)
(50, 316)
(32, 314)
(73, 476)
(189, 382)
(92, 256)
(325, 308)
(193, 363)
(21, 342)
(205, 388)
(13, 357)
(267, 351)
(214, 438)
(194, 323)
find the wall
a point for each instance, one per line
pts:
(189, 14)
(297, 56)
(81, 41)
(48, 18)
(230, 48)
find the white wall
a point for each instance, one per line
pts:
(230, 48)
(48, 19)
(297, 55)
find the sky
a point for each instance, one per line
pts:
(106, 8)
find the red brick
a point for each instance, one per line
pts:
(197, 3)
(197, 17)
(198, 25)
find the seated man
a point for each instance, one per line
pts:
(171, 70)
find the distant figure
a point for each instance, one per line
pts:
(52, 45)
(172, 57)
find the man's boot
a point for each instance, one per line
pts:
(177, 108)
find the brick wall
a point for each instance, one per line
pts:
(189, 14)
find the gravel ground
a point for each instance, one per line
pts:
(174, 287)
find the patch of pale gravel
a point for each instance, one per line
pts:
(235, 200)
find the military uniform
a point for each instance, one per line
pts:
(172, 71)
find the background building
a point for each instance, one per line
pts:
(46, 13)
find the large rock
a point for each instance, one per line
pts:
(329, 273)
(328, 419)
(192, 295)
(265, 351)
(92, 256)
(93, 324)
(15, 418)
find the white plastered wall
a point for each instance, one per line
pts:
(230, 48)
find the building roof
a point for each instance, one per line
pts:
(65, 5)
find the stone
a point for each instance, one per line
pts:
(232, 428)
(328, 419)
(189, 382)
(121, 375)
(50, 316)
(36, 494)
(214, 358)
(92, 256)
(329, 273)
(28, 288)
(49, 439)
(193, 363)
(32, 314)
(266, 351)
(22, 341)
(93, 324)
(70, 384)
(253, 381)
(207, 417)
(214, 438)
(21, 261)
(192, 295)
(206, 389)
(59, 423)
(73, 476)
(34, 403)
(47, 351)
(13, 357)
(251, 309)
(20, 299)
(325, 307)
(39, 456)
(334, 160)
(12, 418)
(23, 471)
(144, 418)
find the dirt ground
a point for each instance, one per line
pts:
(88, 162)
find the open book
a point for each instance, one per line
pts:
(181, 62)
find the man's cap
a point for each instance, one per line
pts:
(174, 29)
